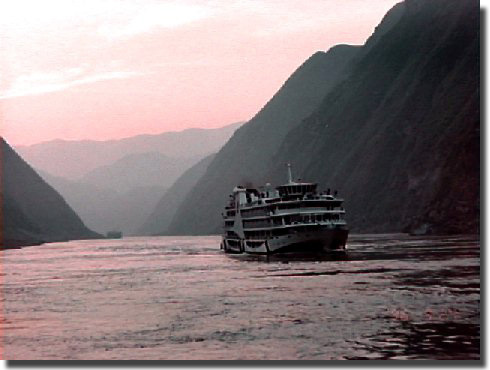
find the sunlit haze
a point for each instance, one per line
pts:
(107, 69)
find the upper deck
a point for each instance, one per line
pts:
(292, 197)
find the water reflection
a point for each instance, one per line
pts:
(293, 257)
(442, 341)
(386, 296)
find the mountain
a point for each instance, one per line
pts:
(408, 121)
(396, 131)
(123, 192)
(32, 211)
(73, 159)
(139, 170)
(245, 156)
(104, 209)
(161, 217)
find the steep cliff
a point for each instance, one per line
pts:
(400, 136)
(396, 132)
(245, 157)
(32, 212)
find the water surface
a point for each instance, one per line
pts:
(388, 297)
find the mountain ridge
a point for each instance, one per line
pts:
(385, 135)
(73, 159)
(158, 222)
(32, 211)
(406, 120)
(239, 160)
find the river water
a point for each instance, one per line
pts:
(388, 297)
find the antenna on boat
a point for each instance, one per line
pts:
(290, 176)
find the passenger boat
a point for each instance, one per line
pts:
(293, 217)
(114, 234)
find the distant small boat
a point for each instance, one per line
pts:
(114, 235)
(291, 218)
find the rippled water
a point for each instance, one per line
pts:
(388, 297)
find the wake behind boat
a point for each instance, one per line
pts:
(290, 218)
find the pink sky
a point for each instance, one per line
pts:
(107, 69)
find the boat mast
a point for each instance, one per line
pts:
(290, 176)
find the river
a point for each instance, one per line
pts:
(388, 297)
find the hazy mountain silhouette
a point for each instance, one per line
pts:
(73, 159)
(137, 170)
(396, 130)
(32, 211)
(161, 217)
(104, 209)
(120, 195)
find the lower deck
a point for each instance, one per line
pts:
(300, 240)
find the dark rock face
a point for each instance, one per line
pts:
(32, 212)
(395, 129)
(164, 212)
(400, 136)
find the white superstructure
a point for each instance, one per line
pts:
(291, 217)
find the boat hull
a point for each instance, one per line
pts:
(300, 242)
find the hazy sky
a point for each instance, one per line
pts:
(102, 69)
